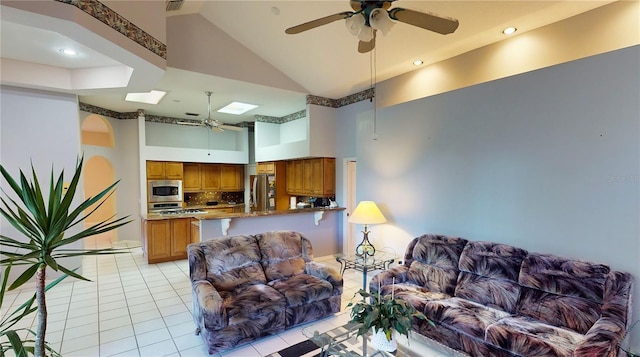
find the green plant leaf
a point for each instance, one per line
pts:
(72, 273)
(16, 344)
(25, 276)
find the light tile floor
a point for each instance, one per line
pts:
(131, 308)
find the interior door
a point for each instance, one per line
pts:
(350, 205)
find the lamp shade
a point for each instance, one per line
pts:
(367, 213)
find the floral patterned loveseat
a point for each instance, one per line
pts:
(488, 299)
(247, 287)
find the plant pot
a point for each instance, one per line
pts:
(379, 341)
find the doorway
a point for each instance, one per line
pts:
(349, 229)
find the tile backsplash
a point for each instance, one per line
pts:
(201, 198)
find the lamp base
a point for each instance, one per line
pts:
(365, 248)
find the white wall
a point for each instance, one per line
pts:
(39, 128)
(548, 161)
(195, 137)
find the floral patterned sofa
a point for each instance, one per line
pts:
(247, 287)
(489, 299)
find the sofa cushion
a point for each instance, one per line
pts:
(563, 311)
(252, 301)
(562, 292)
(232, 262)
(442, 251)
(526, 337)
(302, 289)
(416, 295)
(284, 253)
(433, 278)
(489, 273)
(462, 315)
(433, 262)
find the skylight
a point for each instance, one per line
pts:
(237, 108)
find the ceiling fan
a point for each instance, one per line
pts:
(213, 124)
(375, 15)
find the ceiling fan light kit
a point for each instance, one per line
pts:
(369, 16)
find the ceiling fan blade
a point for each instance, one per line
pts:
(318, 22)
(364, 47)
(192, 123)
(431, 22)
(230, 127)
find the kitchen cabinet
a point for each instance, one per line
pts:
(167, 239)
(266, 168)
(191, 181)
(210, 176)
(232, 177)
(195, 230)
(201, 177)
(164, 170)
(294, 177)
(312, 177)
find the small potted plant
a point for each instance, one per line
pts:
(384, 314)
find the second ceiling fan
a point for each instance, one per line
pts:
(213, 124)
(368, 17)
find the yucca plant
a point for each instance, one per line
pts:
(44, 224)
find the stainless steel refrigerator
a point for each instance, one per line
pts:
(263, 192)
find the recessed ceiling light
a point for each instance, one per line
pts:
(236, 108)
(152, 97)
(509, 30)
(69, 52)
(417, 62)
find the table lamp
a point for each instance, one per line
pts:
(366, 213)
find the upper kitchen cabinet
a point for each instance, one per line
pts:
(311, 134)
(232, 177)
(163, 170)
(208, 177)
(312, 177)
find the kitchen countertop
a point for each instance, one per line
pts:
(205, 216)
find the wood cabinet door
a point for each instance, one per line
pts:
(329, 176)
(155, 170)
(307, 177)
(266, 167)
(316, 187)
(158, 240)
(210, 176)
(232, 177)
(195, 231)
(173, 170)
(180, 237)
(191, 181)
(298, 176)
(291, 177)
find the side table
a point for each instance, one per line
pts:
(365, 263)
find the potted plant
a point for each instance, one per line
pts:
(384, 314)
(44, 224)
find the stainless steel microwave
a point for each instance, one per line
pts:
(164, 191)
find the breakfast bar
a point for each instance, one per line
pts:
(166, 236)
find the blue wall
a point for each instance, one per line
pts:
(548, 160)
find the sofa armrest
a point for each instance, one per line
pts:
(327, 273)
(601, 340)
(386, 277)
(197, 263)
(208, 308)
(603, 337)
